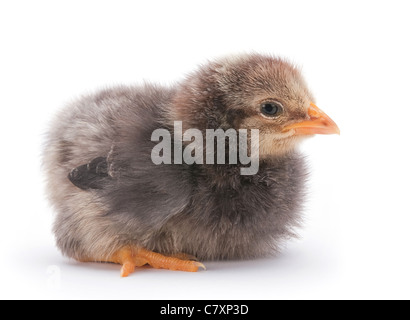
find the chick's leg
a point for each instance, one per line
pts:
(130, 258)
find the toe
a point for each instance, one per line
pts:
(127, 269)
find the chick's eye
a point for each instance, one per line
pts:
(271, 109)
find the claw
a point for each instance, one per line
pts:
(201, 265)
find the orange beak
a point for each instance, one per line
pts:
(319, 123)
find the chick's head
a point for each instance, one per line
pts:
(253, 92)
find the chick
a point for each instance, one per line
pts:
(115, 205)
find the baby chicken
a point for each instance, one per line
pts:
(114, 204)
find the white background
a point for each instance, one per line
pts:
(355, 57)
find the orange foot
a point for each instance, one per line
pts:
(130, 258)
